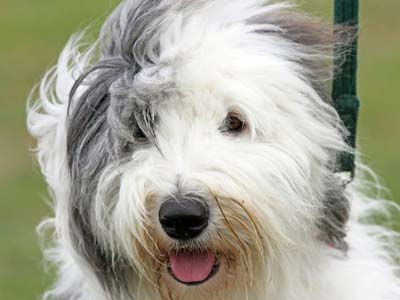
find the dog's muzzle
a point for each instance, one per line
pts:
(184, 219)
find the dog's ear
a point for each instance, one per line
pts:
(68, 133)
(315, 41)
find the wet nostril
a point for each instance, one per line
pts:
(166, 222)
(183, 219)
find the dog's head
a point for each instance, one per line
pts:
(194, 153)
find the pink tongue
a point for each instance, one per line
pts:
(192, 267)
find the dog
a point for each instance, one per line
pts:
(191, 154)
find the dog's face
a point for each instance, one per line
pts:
(199, 149)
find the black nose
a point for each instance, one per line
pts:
(183, 219)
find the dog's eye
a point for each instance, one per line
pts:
(139, 134)
(234, 123)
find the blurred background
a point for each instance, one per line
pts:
(33, 32)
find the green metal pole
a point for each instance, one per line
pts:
(344, 90)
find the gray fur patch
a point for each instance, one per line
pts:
(132, 31)
(115, 114)
(335, 215)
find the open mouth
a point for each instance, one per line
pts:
(192, 268)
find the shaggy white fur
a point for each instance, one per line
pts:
(147, 116)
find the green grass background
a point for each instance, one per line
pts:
(32, 33)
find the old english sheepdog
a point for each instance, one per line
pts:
(190, 152)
